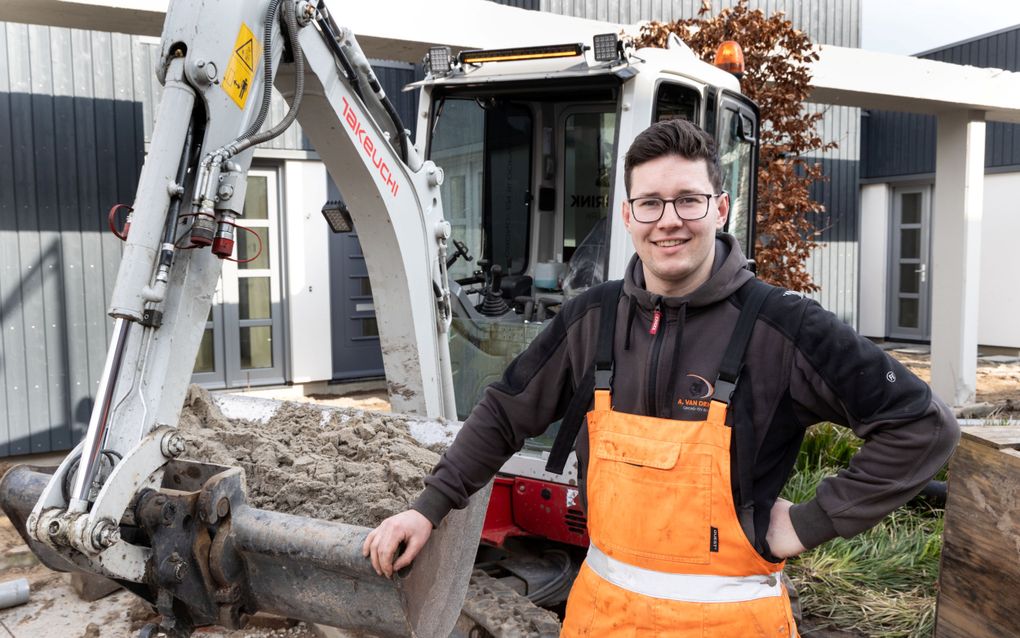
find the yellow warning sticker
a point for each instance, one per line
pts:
(240, 71)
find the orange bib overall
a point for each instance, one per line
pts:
(668, 557)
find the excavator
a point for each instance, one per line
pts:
(529, 140)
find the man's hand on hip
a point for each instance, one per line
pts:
(782, 538)
(410, 528)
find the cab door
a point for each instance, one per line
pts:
(736, 133)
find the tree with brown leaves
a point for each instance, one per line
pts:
(777, 78)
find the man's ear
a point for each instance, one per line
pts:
(625, 213)
(724, 210)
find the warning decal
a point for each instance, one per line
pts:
(240, 71)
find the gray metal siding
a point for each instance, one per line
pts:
(826, 21)
(899, 144)
(70, 146)
(531, 5)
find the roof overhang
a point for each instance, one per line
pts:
(872, 80)
(403, 30)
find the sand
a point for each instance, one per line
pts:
(348, 465)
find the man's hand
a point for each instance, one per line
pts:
(782, 538)
(410, 528)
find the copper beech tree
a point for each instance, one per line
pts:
(776, 77)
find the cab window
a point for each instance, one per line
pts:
(485, 148)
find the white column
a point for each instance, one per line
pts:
(307, 284)
(956, 253)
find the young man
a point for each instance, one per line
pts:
(715, 377)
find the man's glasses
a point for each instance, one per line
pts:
(689, 207)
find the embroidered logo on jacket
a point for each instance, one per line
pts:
(696, 392)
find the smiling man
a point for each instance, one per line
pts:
(700, 381)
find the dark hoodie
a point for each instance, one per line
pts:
(803, 365)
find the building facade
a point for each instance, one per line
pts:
(897, 182)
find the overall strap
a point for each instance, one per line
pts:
(754, 292)
(599, 377)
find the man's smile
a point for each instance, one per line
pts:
(669, 243)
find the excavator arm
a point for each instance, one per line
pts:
(124, 504)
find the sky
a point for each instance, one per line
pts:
(913, 26)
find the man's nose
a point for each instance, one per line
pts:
(670, 216)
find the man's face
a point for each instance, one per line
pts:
(676, 254)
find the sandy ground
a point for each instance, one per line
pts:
(54, 608)
(998, 384)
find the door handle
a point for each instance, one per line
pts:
(923, 269)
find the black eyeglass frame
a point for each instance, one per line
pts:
(662, 211)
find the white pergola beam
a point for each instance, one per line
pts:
(956, 250)
(873, 80)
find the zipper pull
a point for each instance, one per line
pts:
(656, 318)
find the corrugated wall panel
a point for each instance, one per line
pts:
(71, 134)
(9, 266)
(29, 346)
(72, 318)
(826, 21)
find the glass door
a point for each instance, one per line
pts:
(243, 341)
(909, 283)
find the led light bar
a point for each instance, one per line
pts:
(521, 53)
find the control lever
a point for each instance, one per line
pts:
(493, 304)
(461, 250)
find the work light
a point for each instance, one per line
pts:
(439, 60)
(337, 216)
(607, 47)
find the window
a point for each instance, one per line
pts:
(588, 165)
(674, 101)
(737, 134)
(489, 210)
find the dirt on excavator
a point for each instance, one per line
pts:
(335, 464)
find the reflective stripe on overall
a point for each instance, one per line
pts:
(668, 555)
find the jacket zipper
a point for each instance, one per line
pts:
(657, 330)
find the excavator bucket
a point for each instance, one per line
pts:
(215, 559)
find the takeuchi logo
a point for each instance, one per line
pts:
(370, 148)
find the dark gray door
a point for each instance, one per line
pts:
(356, 350)
(909, 283)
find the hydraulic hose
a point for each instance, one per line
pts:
(267, 70)
(247, 141)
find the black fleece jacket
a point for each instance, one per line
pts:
(803, 365)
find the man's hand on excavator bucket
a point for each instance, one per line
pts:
(407, 530)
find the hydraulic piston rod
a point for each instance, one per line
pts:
(96, 436)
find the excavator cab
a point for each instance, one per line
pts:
(532, 141)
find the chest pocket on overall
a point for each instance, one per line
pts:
(646, 486)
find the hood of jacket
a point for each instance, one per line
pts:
(729, 272)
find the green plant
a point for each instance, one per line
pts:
(879, 583)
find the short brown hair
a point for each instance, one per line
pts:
(674, 137)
